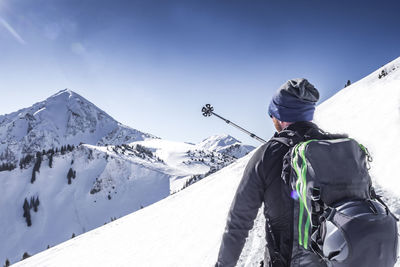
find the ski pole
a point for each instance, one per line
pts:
(208, 110)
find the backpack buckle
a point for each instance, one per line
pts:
(315, 194)
(327, 215)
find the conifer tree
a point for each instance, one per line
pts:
(70, 175)
(51, 160)
(31, 202)
(33, 178)
(38, 162)
(25, 206)
(27, 213)
(35, 204)
(36, 167)
(25, 256)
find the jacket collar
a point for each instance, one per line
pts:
(301, 127)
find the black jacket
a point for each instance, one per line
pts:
(262, 183)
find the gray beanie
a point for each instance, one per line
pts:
(294, 101)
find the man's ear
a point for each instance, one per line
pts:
(277, 124)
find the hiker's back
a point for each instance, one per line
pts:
(337, 218)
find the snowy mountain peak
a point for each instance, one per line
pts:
(63, 118)
(218, 140)
(74, 103)
(226, 144)
(66, 96)
(68, 92)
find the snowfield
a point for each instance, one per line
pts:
(181, 230)
(185, 229)
(369, 111)
(226, 144)
(110, 182)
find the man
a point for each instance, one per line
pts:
(291, 108)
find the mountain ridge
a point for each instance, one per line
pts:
(225, 143)
(63, 118)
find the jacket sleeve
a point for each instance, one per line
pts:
(243, 211)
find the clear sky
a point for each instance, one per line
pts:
(152, 65)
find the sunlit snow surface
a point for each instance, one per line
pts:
(369, 111)
(181, 230)
(225, 143)
(111, 182)
(186, 229)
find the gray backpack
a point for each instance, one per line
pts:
(338, 220)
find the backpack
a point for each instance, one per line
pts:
(338, 219)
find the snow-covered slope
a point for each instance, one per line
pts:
(181, 230)
(185, 229)
(105, 185)
(188, 163)
(64, 118)
(226, 144)
(369, 111)
(109, 182)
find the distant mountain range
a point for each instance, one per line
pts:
(67, 167)
(225, 144)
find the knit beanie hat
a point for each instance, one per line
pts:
(294, 101)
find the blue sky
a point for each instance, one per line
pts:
(152, 65)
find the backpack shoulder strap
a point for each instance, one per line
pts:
(288, 138)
